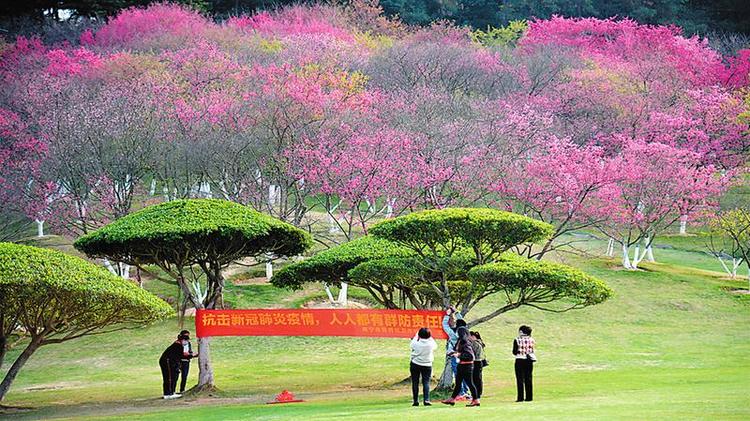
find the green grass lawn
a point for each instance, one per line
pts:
(673, 342)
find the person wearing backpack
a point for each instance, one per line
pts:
(480, 360)
(524, 349)
(464, 351)
(422, 355)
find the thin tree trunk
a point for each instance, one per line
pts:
(625, 257)
(446, 378)
(39, 228)
(683, 224)
(328, 292)
(3, 344)
(343, 297)
(206, 371)
(17, 365)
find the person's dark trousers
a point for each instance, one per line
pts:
(476, 376)
(167, 376)
(184, 370)
(524, 369)
(464, 374)
(426, 373)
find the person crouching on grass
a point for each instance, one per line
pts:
(169, 362)
(422, 355)
(464, 351)
(524, 349)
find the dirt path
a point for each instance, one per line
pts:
(135, 406)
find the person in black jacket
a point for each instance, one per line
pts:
(464, 351)
(187, 355)
(170, 368)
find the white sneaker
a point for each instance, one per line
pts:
(176, 395)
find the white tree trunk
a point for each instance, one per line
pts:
(332, 227)
(735, 265)
(328, 292)
(649, 251)
(152, 190)
(205, 190)
(343, 299)
(269, 270)
(271, 195)
(683, 224)
(39, 228)
(124, 270)
(389, 208)
(638, 256)
(206, 371)
(611, 248)
(110, 268)
(625, 257)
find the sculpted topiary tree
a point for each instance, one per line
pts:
(193, 240)
(55, 297)
(459, 256)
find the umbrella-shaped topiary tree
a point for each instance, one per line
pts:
(193, 240)
(460, 256)
(56, 297)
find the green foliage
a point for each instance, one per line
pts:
(211, 229)
(504, 36)
(437, 257)
(61, 296)
(488, 232)
(538, 283)
(333, 265)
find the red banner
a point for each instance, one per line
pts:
(318, 322)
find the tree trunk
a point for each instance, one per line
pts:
(625, 257)
(3, 344)
(650, 254)
(446, 378)
(328, 292)
(269, 270)
(39, 228)
(17, 365)
(206, 371)
(611, 248)
(683, 224)
(343, 297)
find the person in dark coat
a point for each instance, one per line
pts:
(187, 355)
(169, 362)
(480, 360)
(464, 351)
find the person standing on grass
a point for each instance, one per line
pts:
(169, 362)
(452, 321)
(524, 349)
(464, 351)
(187, 354)
(480, 360)
(422, 355)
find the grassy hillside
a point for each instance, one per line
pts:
(674, 341)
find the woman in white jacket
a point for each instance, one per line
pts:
(422, 355)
